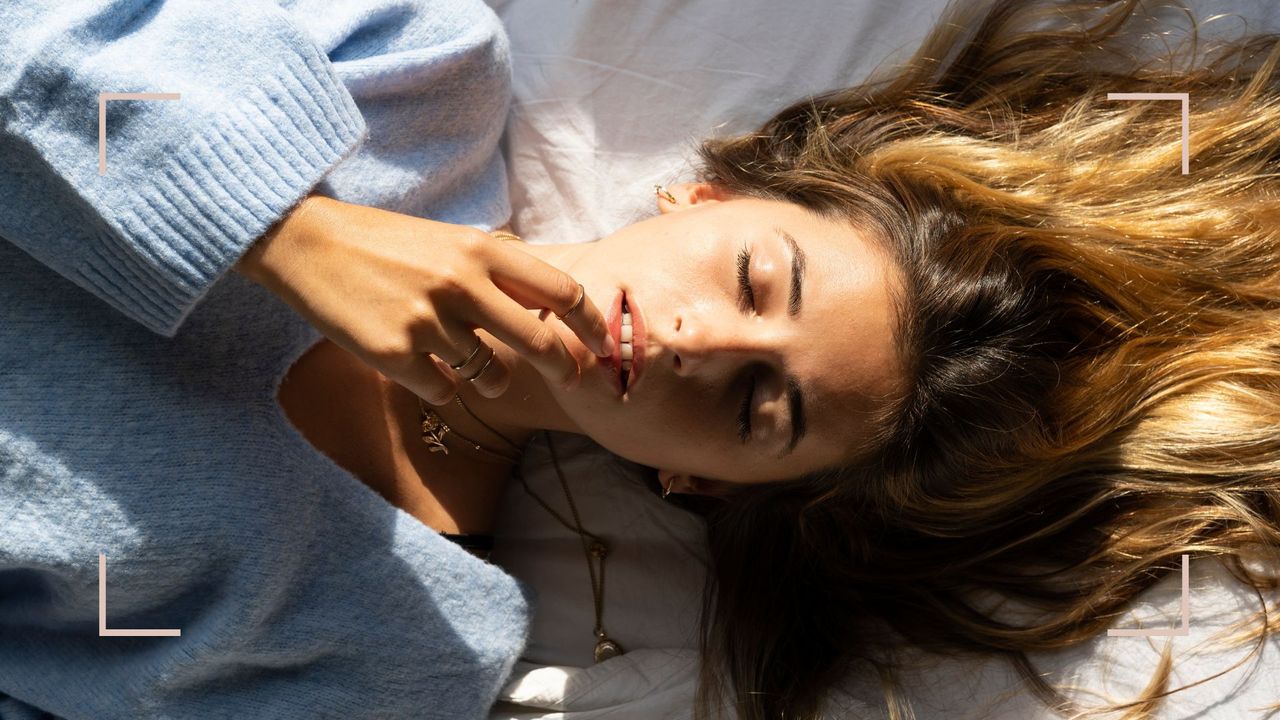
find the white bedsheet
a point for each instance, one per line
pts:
(610, 97)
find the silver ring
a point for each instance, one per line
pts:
(479, 344)
(492, 352)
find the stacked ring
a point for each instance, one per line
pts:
(479, 344)
(484, 367)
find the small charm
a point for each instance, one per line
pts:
(433, 432)
(606, 649)
(598, 550)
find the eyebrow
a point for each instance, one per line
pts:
(795, 396)
(798, 265)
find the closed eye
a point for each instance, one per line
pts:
(748, 304)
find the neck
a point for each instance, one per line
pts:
(526, 406)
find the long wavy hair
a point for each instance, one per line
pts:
(1092, 349)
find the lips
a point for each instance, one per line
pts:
(639, 341)
(613, 366)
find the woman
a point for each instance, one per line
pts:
(1053, 369)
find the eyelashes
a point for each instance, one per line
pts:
(748, 304)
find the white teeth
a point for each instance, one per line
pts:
(625, 349)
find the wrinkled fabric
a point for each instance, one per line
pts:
(138, 420)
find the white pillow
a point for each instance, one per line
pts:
(609, 96)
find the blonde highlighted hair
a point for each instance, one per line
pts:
(1091, 342)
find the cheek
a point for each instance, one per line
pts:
(647, 435)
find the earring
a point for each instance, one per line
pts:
(662, 192)
(666, 490)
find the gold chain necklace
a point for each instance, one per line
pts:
(434, 430)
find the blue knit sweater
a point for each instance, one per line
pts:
(138, 373)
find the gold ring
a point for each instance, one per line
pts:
(484, 367)
(582, 293)
(479, 344)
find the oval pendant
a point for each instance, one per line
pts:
(606, 649)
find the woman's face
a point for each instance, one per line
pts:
(705, 340)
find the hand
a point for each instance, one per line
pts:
(395, 290)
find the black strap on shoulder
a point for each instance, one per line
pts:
(479, 544)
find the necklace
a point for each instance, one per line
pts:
(434, 430)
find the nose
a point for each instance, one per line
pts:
(701, 345)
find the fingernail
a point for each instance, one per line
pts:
(608, 346)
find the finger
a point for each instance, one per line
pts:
(430, 379)
(488, 373)
(454, 343)
(538, 342)
(535, 284)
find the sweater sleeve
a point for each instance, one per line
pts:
(189, 183)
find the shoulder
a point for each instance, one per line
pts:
(404, 30)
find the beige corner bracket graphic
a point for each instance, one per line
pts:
(102, 118)
(1185, 630)
(1186, 117)
(103, 630)
(1186, 612)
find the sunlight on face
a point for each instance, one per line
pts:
(808, 370)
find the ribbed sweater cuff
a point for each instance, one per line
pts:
(193, 217)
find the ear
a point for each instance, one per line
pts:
(694, 485)
(688, 195)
